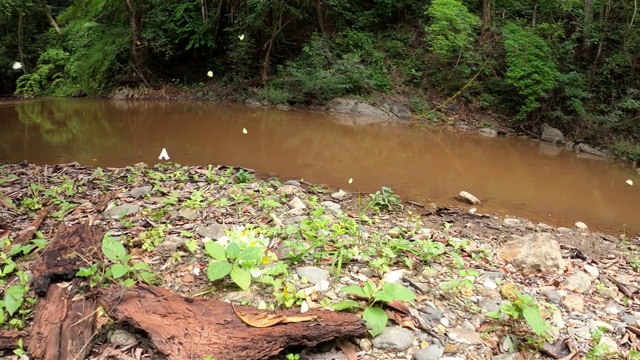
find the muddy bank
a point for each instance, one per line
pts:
(483, 287)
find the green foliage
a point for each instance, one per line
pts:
(238, 254)
(530, 69)
(373, 315)
(320, 74)
(452, 28)
(47, 75)
(120, 270)
(524, 306)
(384, 200)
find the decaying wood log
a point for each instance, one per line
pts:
(9, 339)
(71, 248)
(102, 203)
(190, 328)
(27, 234)
(63, 325)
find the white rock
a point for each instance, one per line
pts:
(512, 222)
(581, 226)
(468, 198)
(393, 276)
(592, 270)
(610, 344)
(296, 203)
(490, 284)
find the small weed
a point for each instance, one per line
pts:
(374, 316)
(523, 306)
(152, 238)
(384, 200)
(244, 176)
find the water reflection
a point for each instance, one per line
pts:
(511, 176)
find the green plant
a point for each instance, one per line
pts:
(463, 283)
(530, 68)
(244, 176)
(373, 315)
(384, 200)
(197, 200)
(523, 306)
(120, 267)
(452, 29)
(237, 254)
(293, 356)
(154, 237)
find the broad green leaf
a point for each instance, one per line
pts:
(536, 322)
(355, 290)
(8, 269)
(393, 291)
(141, 266)
(215, 250)
(369, 289)
(218, 270)
(345, 305)
(233, 250)
(13, 298)
(3, 317)
(129, 282)
(241, 277)
(41, 243)
(15, 249)
(250, 254)
(147, 276)
(376, 319)
(114, 250)
(118, 270)
(86, 272)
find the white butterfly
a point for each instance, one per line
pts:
(241, 37)
(17, 65)
(350, 180)
(163, 155)
(630, 182)
(210, 73)
(244, 131)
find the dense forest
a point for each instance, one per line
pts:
(571, 63)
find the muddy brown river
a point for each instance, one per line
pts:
(511, 176)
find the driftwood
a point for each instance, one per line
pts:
(103, 202)
(71, 248)
(187, 328)
(63, 325)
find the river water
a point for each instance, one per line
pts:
(511, 176)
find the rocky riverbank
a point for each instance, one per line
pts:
(482, 287)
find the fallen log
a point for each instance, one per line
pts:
(9, 339)
(63, 324)
(71, 248)
(191, 328)
(27, 233)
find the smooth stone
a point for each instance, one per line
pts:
(393, 276)
(120, 211)
(292, 183)
(188, 214)
(592, 270)
(583, 332)
(579, 282)
(602, 324)
(612, 308)
(288, 190)
(213, 231)
(488, 305)
(490, 284)
(431, 352)
(552, 134)
(512, 222)
(488, 132)
(464, 336)
(314, 275)
(581, 226)
(339, 195)
(331, 206)
(296, 204)
(140, 191)
(609, 344)
(582, 147)
(170, 245)
(573, 302)
(629, 319)
(467, 198)
(432, 313)
(396, 338)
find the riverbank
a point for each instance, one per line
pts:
(485, 287)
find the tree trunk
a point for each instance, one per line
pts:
(486, 19)
(319, 18)
(52, 21)
(136, 38)
(21, 40)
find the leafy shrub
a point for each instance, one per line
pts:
(319, 74)
(530, 68)
(452, 28)
(48, 72)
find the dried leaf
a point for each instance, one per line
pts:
(348, 348)
(399, 306)
(264, 320)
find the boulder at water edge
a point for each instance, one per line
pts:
(552, 134)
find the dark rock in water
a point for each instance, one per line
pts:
(292, 183)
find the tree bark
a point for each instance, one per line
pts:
(319, 18)
(136, 39)
(21, 40)
(486, 19)
(52, 21)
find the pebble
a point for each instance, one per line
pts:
(213, 231)
(296, 204)
(512, 222)
(553, 296)
(581, 226)
(431, 352)
(579, 282)
(314, 275)
(288, 190)
(140, 191)
(292, 183)
(331, 206)
(187, 213)
(396, 338)
(393, 276)
(610, 344)
(339, 195)
(612, 308)
(170, 245)
(629, 319)
(592, 270)
(119, 211)
(490, 284)
(573, 302)
(464, 336)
